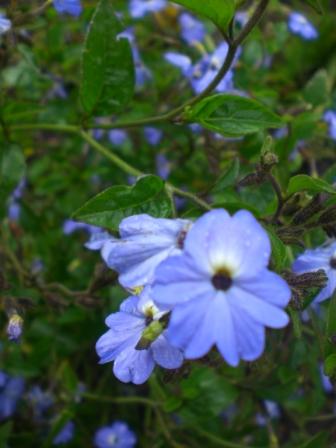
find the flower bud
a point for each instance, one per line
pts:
(314, 206)
(14, 328)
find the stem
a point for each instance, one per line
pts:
(278, 193)
(122, 400)
(218, 441)
(253, 21)
(124, 166)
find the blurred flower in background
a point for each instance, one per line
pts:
(298, 24)
(72, 7)
(11, 390)
(116, 435)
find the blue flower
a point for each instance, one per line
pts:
(145, 242)
(117, 137)
(97, 240)
(142, 73)
(136, 340)
(298, 24)
(139, 8)
(40, 400)
(201, 74)
(11, 390)
(65, 434)
(14, 327)
(117, 435)
(72, 7)
(152, 135)
(192, 30)
(220, 290)
(330, 118)
(326, 383)
(320, 258)
(163, 167)
(70, 226)
(14, 206)
(5, 24)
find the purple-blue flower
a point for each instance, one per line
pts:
(139, 8)
(144, 242)
(192, 30)
(14, 327)
(65, 434)
(40, 401)
(201, 74)
(163, 167)
(70, 226)
(5, 24)
(326, 383)
(142, 73)
(320, 258)
(14, 206)
(117, 137)
(72, 7)
(136, 340)
(298, 24)
(152, 135)
(97, 240)
(11, 390)
(330, 118)
(116, 435)
(220, 290)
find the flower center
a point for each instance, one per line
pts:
(332, 262)
(222, 280)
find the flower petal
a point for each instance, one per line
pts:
(165, 354)
(134, 365)
(177, 280)
(260, 311)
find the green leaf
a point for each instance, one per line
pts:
(330, 347)
(228, 177)
(12, 170)
(107, 75)
(303, 182)
(218, 11)
(108, 208)
(232, 115)
(317, 5)
(316, 90)
(330, 365)
(279, 251)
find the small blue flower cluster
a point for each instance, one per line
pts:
(72, 7)
(5, 24)
(117, 435)
(11, 390)
(298, 24)
(195, 286)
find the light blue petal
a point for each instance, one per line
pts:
(165, 354)
(259, 310)
(178, 280)
(134, 366)
(267, 286)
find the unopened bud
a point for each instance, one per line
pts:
(252, 179)
(316, 279)
(268, 160)
(328, 216)
(14, 328)
(314, 206)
